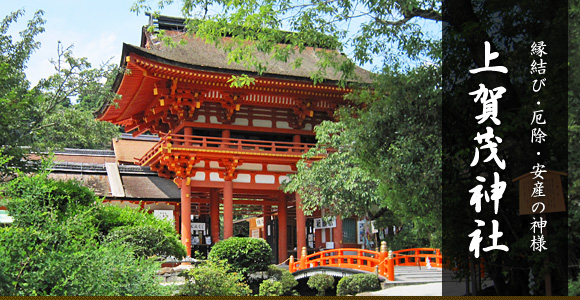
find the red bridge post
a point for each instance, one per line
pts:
(291, 264)
(382, 256)
(391, 267)
(303, 259)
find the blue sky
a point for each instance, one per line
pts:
(97, 29)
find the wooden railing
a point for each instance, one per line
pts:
(381, 262)
(418, 257)
(180, 141)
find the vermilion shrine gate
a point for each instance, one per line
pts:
(223, 146)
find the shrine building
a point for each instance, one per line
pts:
(220, 151)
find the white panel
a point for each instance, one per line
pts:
(163, 214)
(323, 236)
(215, 165)
(114, 180)
(214, 176)
(200, 119)
(282, 179)
(243, 178)
(308, 126)
(280, 168)
(250, 167)
(200, 164)
(199, 176)
(263, 123)
(282, 124)
(213, 120)
(241, 121)
(265, 179)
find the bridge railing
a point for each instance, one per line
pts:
(382, 262)
(418, 257)
(351, 258)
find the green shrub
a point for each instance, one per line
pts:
(109, 217)
(214, 279)
(358, 283)
(45, 197)
(64, 259)
(320, 282)
(147, 241)
(573, 287)
(285, 278)
(245, 255)
(145, 233)
(270, 287)
(54, 246)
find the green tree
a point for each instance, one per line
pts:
(573, 145)
(372, 28)
(34, 119)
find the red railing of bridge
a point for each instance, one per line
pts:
(382, 262)
(418, 257)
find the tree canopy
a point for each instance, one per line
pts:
(57, 112)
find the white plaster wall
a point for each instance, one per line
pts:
(283, 124)
(246, 178)
(250, 167)
(279, 168)
(199, 176)
(241, 121)
(214, 176)
(215, 165)
(263, 123)
(265, 179)
(282, 179)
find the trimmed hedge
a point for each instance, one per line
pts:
(358, 283)
(246, 255)
(213, 279)
(270, 288)
(320, 282)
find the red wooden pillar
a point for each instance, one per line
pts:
(300, 227)
(337, 233)
(296, 139)
(228, 209)
(214, 214)
(266, 216)
(186, 215)
(176, 217)
(318, 239)
(282, 232)
(187, 131)
(226, 136)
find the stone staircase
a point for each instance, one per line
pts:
(405, 275)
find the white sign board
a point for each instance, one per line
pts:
(319, 223)
(163, 214)
(260, 222)
(255, 233)
(360, 232)
(197, 226)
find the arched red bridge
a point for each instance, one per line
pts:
(363, 260)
